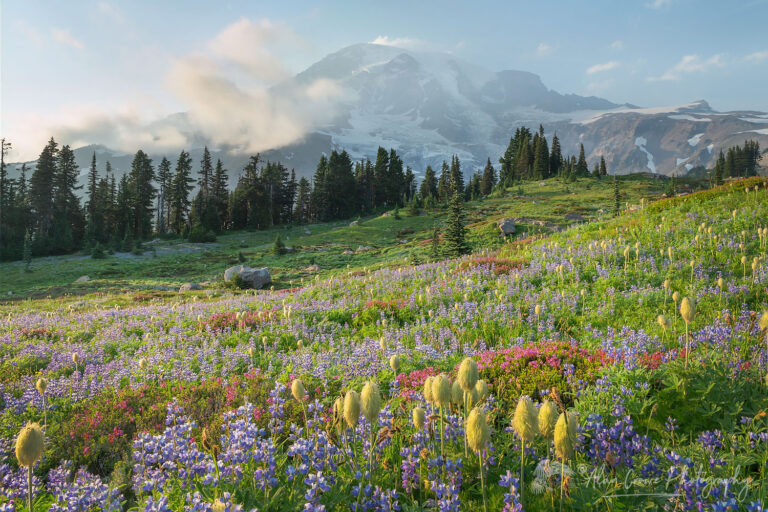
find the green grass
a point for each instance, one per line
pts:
(173, 262)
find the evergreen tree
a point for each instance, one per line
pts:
(582, 169)
(596, 171)
(93, 177)
(444, 184)
(41, 187)
(206, 174)
(455, 243)
(457, 178)
(381, 177)
(301, 211)
(180, 189)
(220, 191)
(142, 195)
(541, 158)
(429, 184)
(69, 220)
(278, 247)
(488, 180)
(555, 157)
(603, 168)
(165, 182)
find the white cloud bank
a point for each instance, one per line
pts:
(605, 66)
(227, 90)
(690, 64)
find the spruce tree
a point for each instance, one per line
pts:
(455, 243)
(603, 168)
(582, 169)
(555, 156)
(456, 177)
(429, 184)
(220, 190)
(488, 180)
(41, 187)
(180, 188)
(301, 212)
(165, 182)
(142, 195)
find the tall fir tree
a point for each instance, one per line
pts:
(603, 167)
(181, 186)
(454, 242)
(165, 183)
(41, 187)
(555, 156)
(429, 184)
(142, 192)
(488, 180)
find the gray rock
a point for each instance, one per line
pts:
(189, 287)
(256, 278)
(347, 252)
(363, 248)
(307, 231)
(386, 214)
(507, 226)
(82, 279)
(354, 223)
(312, 268)
(574, 217)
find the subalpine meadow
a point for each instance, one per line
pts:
(618, 364)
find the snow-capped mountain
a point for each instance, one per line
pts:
(430, 105)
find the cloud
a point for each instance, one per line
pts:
(757, 56)
(689, 64)
(235, 93)
(600, 87)
(617, 44)
(543, 50)
(64, 37)
(401, 42)
(658, 4)
(605, 66)
(251, 46)
(111, 11)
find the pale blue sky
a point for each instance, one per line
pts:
(64, 61)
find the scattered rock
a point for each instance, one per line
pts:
(347, 252)
(574, 217)
(189, 287)
(307, 231)
(507, 226)
(386, 214)
(364, 248)
(82, 279)
(354, 223)
(256, 278)
(312, 268)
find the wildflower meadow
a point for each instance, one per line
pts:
(617, 365)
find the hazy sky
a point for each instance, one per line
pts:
(81, 68)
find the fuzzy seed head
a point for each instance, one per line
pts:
(419, 417)
(428, 390)
(441, 390)
(142, 364)
(763, 322)
(663, 322)
(394, 363)
(41, 385)
(457, 394)
(687, 310)
(468, 375)
(370, 401)
(298, 391)
(675, 297)
(565, 435)
(537, 310)
(30, 444)
(547, 419)
(477, 430)
(720, 283)
(352, 408)
(76, 358)
(525, 419)
(482, 389)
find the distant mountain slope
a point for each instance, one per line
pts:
(431, 105)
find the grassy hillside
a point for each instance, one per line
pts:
(168, 264)
(169, 401)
